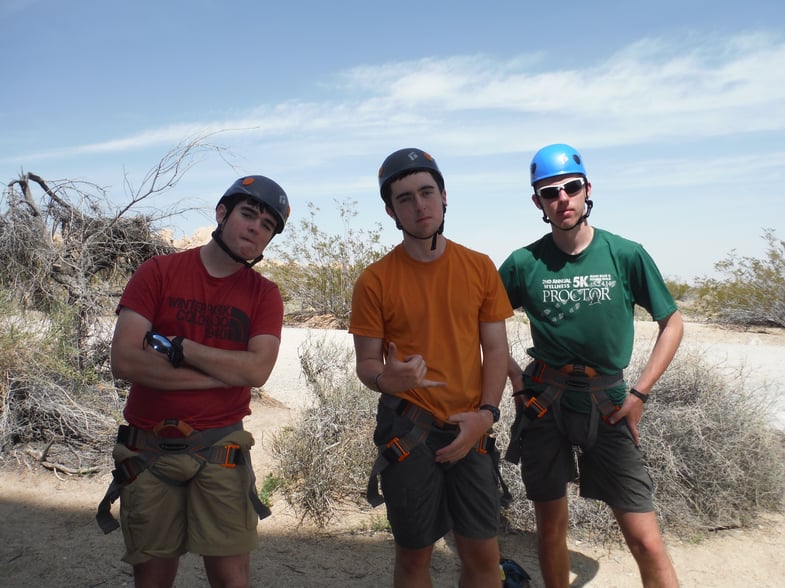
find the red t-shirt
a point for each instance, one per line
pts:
(177, 295)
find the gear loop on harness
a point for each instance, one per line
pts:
(574, 377)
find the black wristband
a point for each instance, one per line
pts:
(493, 410)
(640, 395)
(176, 352)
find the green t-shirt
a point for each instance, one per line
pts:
(581, 306)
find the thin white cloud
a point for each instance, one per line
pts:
(654, 90)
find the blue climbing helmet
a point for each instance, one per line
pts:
(554, 160)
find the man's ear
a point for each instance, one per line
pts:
(390, 212)
(220, 213)
(536, 201)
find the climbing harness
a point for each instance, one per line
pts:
(573, 377)
(425, 423)
(151, 445)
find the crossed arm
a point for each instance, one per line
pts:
(204, 367)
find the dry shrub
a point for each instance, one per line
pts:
(57, 414)
(326, 457)
(317, 270)
(715, 458)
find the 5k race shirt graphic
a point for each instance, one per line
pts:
(566, 295)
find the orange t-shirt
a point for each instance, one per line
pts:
(433, 309)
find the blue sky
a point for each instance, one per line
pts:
(677, 107)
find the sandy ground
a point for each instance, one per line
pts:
(48, 535)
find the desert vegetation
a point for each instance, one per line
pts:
(715, 460)
(66, 250)
(317, 270)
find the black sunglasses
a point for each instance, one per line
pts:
(552, 192)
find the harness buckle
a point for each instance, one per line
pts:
(398, 450)
(485, 444)
(184, 428)
(539, 370)
(539, 410)
(577, 369)
(127, 470)
(605, 406)
(579, 375)
(230, 456)
(606, 417)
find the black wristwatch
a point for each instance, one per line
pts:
(639, 395)
(493, 410)
(172, 348)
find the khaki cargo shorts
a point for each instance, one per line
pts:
(182, 504)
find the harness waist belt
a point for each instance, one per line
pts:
(151, 446)
(399, 448)
(573, 377)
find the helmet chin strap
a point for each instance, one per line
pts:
(589, 205)
(216, 235)
(433, 237)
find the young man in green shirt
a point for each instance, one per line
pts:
(578, 286)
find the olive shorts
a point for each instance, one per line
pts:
(611, 470)
(202, 508)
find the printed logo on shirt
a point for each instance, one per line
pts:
(220, 321)
(564, 296)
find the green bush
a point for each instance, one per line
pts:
(269, 486)
(751, 291)
(679, 290)
(318, 270)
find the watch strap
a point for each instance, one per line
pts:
(640, 395)
(493, 410)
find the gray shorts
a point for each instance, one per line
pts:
(612, 470)
(426, 499)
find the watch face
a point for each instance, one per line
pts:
(158, 342)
